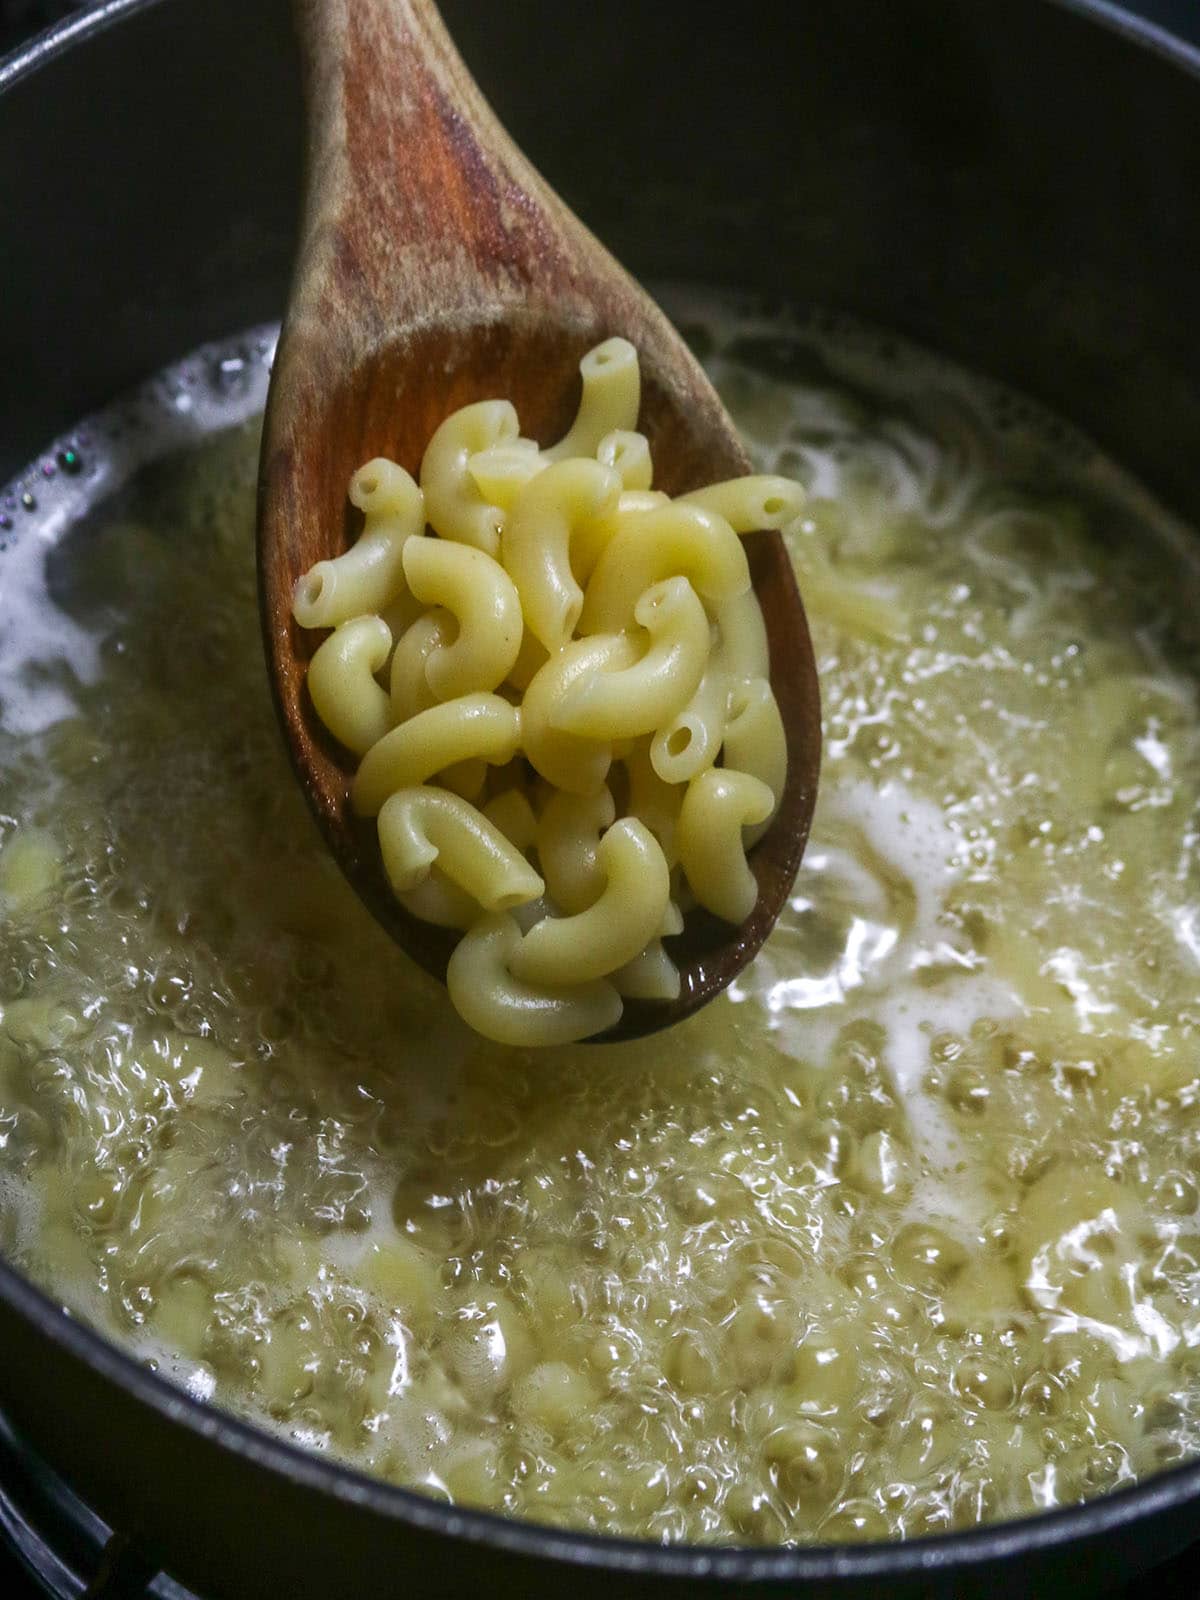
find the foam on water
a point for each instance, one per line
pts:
(222, 384)
(385, 1240)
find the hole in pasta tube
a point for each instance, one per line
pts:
(679, 741)
(773, 505)
(312, 587)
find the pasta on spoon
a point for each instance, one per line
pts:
(578, 740)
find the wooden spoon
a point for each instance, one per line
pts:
(437, 268)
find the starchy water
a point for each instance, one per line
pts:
(897, 1236)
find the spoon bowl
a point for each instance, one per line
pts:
(437, 268)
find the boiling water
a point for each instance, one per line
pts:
(897, 1236)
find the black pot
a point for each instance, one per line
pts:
(1016, 184)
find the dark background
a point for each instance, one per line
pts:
(21, 18)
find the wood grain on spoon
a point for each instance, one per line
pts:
(437, 268)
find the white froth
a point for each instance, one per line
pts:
(220, 386)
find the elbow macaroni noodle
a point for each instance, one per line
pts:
(578, 735)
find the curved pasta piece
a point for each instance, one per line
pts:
(342, 686)
(755, 742)
(531, 658)
(682, 897)
(536, 546)
(423, 826)
(479, 726)
(563, 759)
(481, 597)
(512, 813)
(640, 698)
(611, 397)
(652, 975)
(530, 914)
(629, 453)
(591, 538)
(717, 806)
(369, 575)
(501, 472)
(759, 500)
(568, 844)
(619, 924)
(465, 778)
(453, 504)
(441, 902)
(401, 613)
(652, 801)
(502, 1007)
(668, 542)
(690, 742)
(410, 691)
(742, 649)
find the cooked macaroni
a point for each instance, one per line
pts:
(370, 573)
(572, 627)
(899, 1235)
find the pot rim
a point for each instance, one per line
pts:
(927, 1556)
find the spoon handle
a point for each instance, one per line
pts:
(418, 201)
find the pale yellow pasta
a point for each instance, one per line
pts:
(564, 759)
(642, 697)
(531, 913)
(482, 599)
(511, 812)
(612, 392)
(760, 500)
(591, 537)
(342, 686)
(651, 975)
(31, 861)
(690, 742)
(410, 691)
(717, 806)
(755, 742)
(370, 574)
(501, 472)
(642, 500)
(619, 923)
(651, 800)
(668, 542)
(682, 897)
(531, 658)
(741, 646)
(572, 650)
(487, 996)
(536, 547)
(441, 902)
(423, 826)
(453, 503)
(477, 727)
(466, 778)
(629, 454)
(401, 613)
(568, 843)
